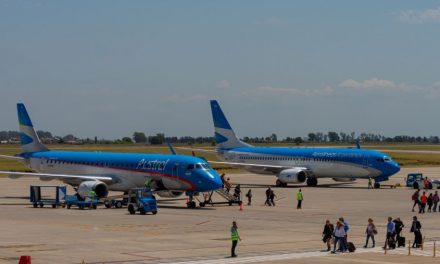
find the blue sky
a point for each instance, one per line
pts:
(109, 68)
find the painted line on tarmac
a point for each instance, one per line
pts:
(277, 257)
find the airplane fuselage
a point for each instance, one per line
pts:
(323, 162)
(129, 170)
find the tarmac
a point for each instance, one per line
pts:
(280, 234)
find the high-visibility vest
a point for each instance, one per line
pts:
(92, 194)
(234, 234)
(299, 196)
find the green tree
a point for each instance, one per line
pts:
(139, 137)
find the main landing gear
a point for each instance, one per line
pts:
(279, 183)
(312, 182)
(376, 185)
(190, 203)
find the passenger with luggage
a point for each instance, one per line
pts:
(435, 200)
(249, 196)
(267, 202)
(346, 228)
(416, 199)
(327, 234)
(415, 228)
(391, 231)
(237, 192)
(371, 231)
(339, 235)
(399, 227)
(423, 201)
(430, 203)
(272, 197)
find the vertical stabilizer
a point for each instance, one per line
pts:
(224, 135)
(28, 138)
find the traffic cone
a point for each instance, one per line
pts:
(25, 260)
(241, 206)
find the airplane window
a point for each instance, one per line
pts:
(190, 167)
(206, 166)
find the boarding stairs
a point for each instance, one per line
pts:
(230, 198)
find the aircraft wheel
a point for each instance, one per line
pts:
(54, 206)
(376, 185)
(312, 182)
(279, 183)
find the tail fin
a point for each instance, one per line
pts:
(29, 139)
(224, 135)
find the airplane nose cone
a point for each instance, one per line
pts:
(396, 167)
(209, 180)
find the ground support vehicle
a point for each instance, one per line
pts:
(142, 200)
(76, 200)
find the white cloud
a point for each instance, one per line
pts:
(375, 84)
(223, 84)
(294, 91)
(419, 17)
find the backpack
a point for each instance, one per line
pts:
(414, 196)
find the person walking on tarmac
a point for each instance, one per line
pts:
(370, 183)
(272, 197)
(300, 198)
(249, 196)
(423, 201)
(435, 200)
(416, 199)
(327, 234)
(430, 202)
(234, 237)
(371, 231)
(268, 191)
(391, 231)
(415, 228)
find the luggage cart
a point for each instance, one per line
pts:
(53, 195)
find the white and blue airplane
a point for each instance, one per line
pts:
(169, 175)
(298, 165)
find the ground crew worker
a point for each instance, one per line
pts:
(234, 237)
(370, 183)
(300, 198)
(92, 195)
(148, 182)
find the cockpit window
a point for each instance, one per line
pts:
(190, 167)
(206, 166)
(387, 159)
(380, 160)
(198, 166)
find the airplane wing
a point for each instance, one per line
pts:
(57, 176)
(201, 150)
(11, 157)
(271, 168)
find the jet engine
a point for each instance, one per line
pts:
(169, 194)
(344, 179)
(294, 175)
(100, 188)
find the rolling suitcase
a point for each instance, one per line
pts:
(351, 247)
(401, 242)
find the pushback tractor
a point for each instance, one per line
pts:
(142, 200)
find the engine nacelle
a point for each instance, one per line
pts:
(344, 179)
(169, 194)
(100, 188)
(294, 175)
